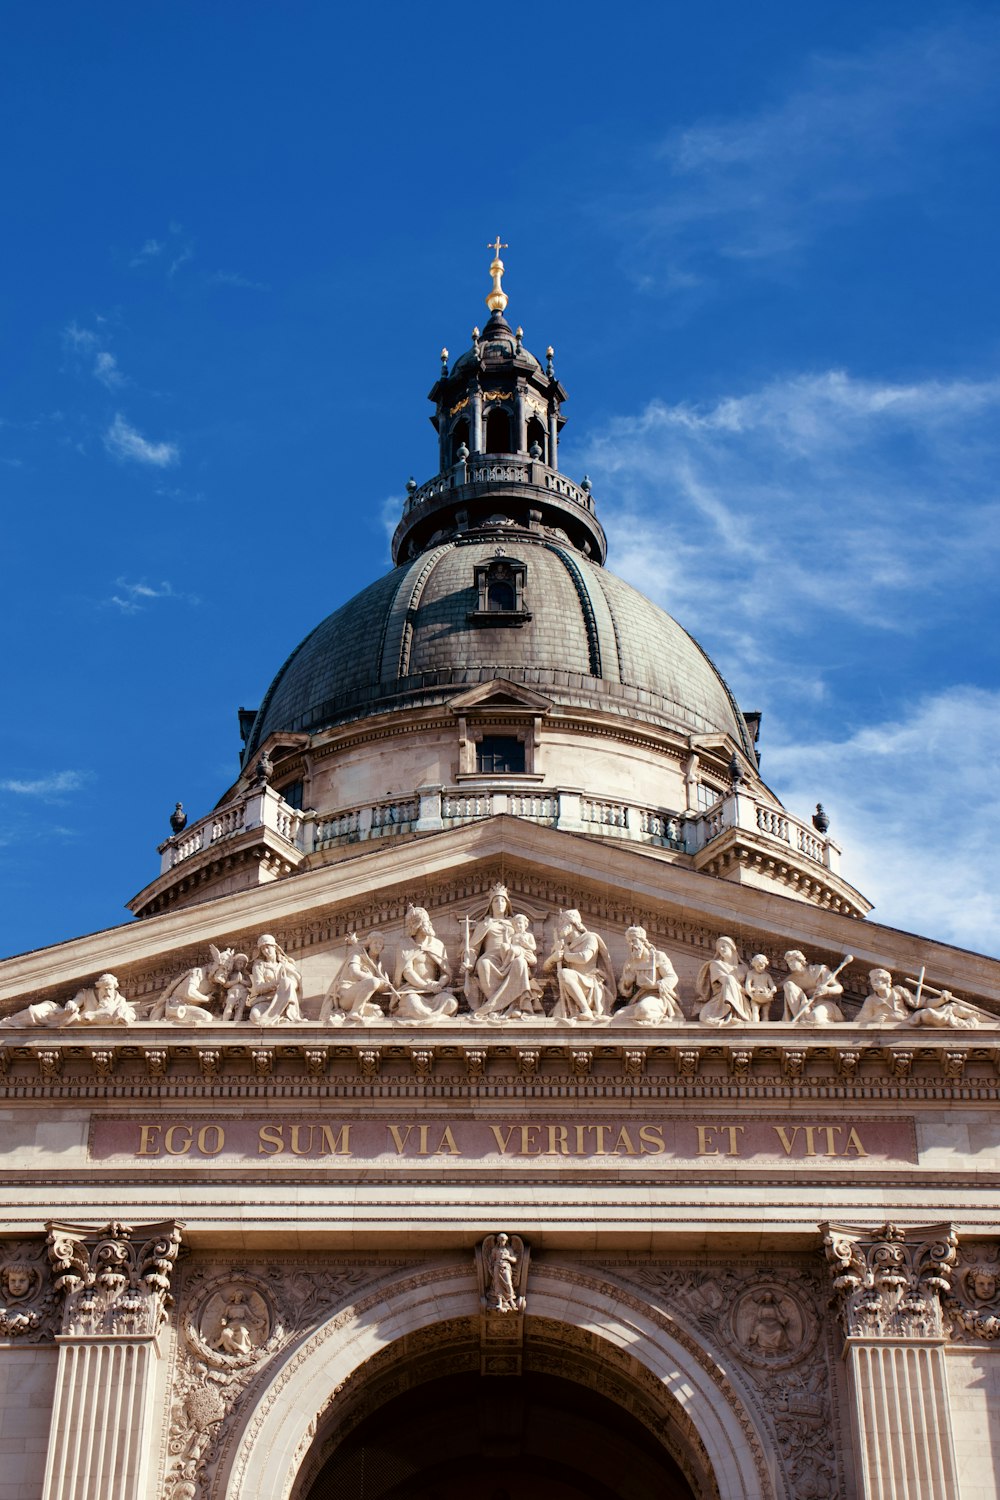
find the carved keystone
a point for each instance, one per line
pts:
(502, 1273)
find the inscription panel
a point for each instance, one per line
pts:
(658, 1142)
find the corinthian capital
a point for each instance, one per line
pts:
(889, 1282)
(115, 1279)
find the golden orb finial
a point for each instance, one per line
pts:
(497, 299)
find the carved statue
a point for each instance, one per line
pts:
(809, 989)
(584, 976)
(933, 1007)
(498, 959)
(275, 985)
(760, 986)
(648, 983)
(423, 973)
(769, 1330)
(20, 1285)
(352, 994)
(237, 989)
(188, 1000)
(501, 1265)
(721, 988)
(886, 1004)
(103, 1005)
(235, 1321)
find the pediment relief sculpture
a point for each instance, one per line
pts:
(501, 979)
(232, 1324)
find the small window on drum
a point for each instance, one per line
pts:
(500, 755)
(500, 595)
(292, 793)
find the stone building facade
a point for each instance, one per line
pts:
(501, 1093)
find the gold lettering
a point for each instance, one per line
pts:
(168, 1140)
(558, 1140)
(579, 1139)
(423, 1149)
(831, 1144)
(447, 1143)
(651, 1140)
(503, 1141)
(786, 1141)
(297, 1149)
(528, 1146)
(398, 1136)
(734, 1145)
(705, 1148)
(148, 1143)
(854, 1140)
(270, 1140)
(220, 1140)
(629, 1149)
(810, 1142)
(600, 1131)
(336, 1143)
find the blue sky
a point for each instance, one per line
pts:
(763, 240)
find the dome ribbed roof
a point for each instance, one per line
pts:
(592, 641)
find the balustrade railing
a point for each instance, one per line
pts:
(437, 807)
(491, 468)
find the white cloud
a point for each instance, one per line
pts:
(133, 597)
(125, 442)
(915, 804)
(235, 279)
(53, 785)
(75, 337)
(772, 514)
(150, 250)
(107, 371)
(853, 127)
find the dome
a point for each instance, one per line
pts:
(579, 635)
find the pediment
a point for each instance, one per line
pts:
(502, 694)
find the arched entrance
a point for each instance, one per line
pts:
(529, 1437)
(595, 1359)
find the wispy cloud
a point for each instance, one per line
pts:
(149, 251)
(56, 784)
(127, 443)
(88, 351)
(916, 820)
(770, 514)
(758, 187)
(235, 279)
(134, 597)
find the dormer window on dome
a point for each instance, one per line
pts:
(500, 593)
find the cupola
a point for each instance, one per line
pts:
(498, 415)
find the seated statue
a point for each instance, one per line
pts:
(895, 1005)
(809, 990)
(648, 984)
(103, 1005)
(498, 959)
(187, 1000)
(585, 979)
(721, 988)
(423, 974)
(275, 985)
(886, 1004)
(352, 994)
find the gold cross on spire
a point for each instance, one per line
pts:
(497, 299)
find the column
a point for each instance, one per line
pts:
(888, 1284)
(553, 436)
(115, 1284)
(476, 425)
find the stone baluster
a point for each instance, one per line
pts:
(888, 1284)
(115, 1284)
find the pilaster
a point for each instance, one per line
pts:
(888, 1284)
(115, 1284)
